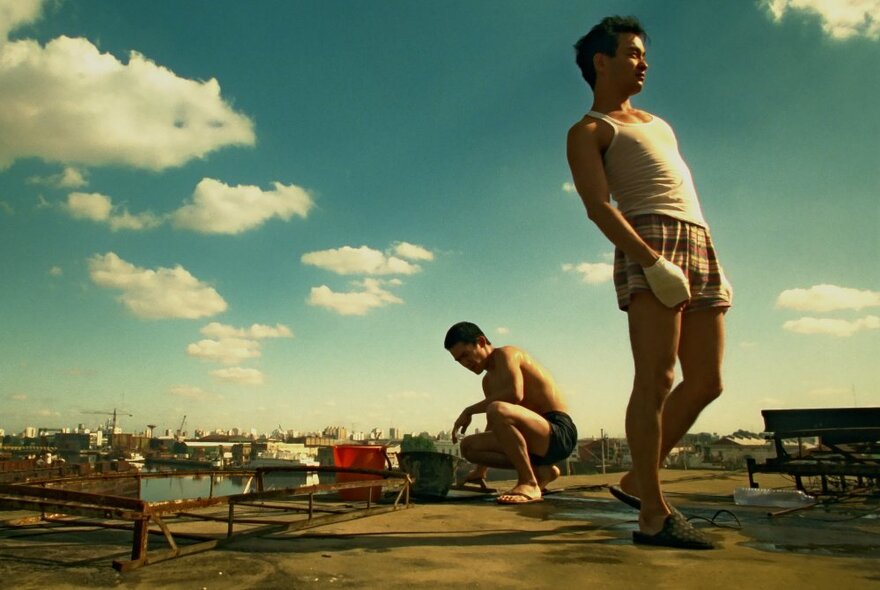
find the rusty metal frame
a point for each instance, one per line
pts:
(56, 504)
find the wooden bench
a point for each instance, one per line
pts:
(850, 437)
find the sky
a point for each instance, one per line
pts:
(264, 214)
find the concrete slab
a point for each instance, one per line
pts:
(577, 538)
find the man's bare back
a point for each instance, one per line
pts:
(539, 391)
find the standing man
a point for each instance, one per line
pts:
(527, 429)
(666, 274)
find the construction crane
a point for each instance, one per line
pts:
(180, 430)
(114, 413)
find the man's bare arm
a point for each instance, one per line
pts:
(506, 386)
(588, 173)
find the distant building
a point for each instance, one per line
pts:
(732, 452)
(394, 433)
(337, 432)
(30, 432)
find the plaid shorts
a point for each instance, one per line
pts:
(686, 245)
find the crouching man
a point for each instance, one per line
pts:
(527, 427)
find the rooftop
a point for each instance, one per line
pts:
(579, 537)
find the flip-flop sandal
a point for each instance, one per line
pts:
(628, 499)
(474, 485)
(677, 532)
(634, 501)
(526, 499)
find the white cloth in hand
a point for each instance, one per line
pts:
(668, 282)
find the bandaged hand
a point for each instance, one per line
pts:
(668, 282)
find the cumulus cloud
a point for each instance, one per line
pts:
(841, 19)
(370, 295)
(156, 294)
(502, 330)
(824, 298)
(239, 375)
(593, 273)
(68, 102)
(568, 187)
(412, 251)
(191, 392)
(217, 208)
(229, 351)
(832, 327)
(100, 209)
(255, 332)
(70, 177)
(365, 260)
(15, 13)
(56, 271)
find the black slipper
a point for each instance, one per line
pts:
(627, 499)
(633, 501)
(676, 532)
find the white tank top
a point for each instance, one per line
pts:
(646, 173)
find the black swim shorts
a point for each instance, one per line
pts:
(563, 439)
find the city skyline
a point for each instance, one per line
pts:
(271, 214)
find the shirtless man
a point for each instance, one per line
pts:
(528, 428)
(667, 276)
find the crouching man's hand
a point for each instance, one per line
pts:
(464, 420)
(668, 282)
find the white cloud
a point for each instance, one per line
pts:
(359, 261)
(6, 208)
(568, 187)
(15, 13)
(502, 330)
(832, 327)
(239, 375)
(19, 397)
(229, 351)
(91, 206)
(824, 298)
(255, 332)
(191, 392)
(841, 19)
(68, 102)
(360, 302)
(70, 177)
(593, 273)
(412, 251)
(56, 271)
(99, 208)
(217, 208)
(156, 294)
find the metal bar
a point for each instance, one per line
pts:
(165, 530)
(68, 508)
(25, 490)
(159, 556)
(139, 543)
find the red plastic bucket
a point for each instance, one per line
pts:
(361, 457)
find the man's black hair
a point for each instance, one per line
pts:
(603, 39)
(463, 332)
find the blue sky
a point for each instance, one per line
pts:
(264, 214)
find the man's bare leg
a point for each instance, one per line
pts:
(700, 351)
(518, 430)
(546, 474)
(654, 336)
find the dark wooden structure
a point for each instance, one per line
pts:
(849, 441)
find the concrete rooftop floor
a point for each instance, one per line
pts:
(579, 537)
